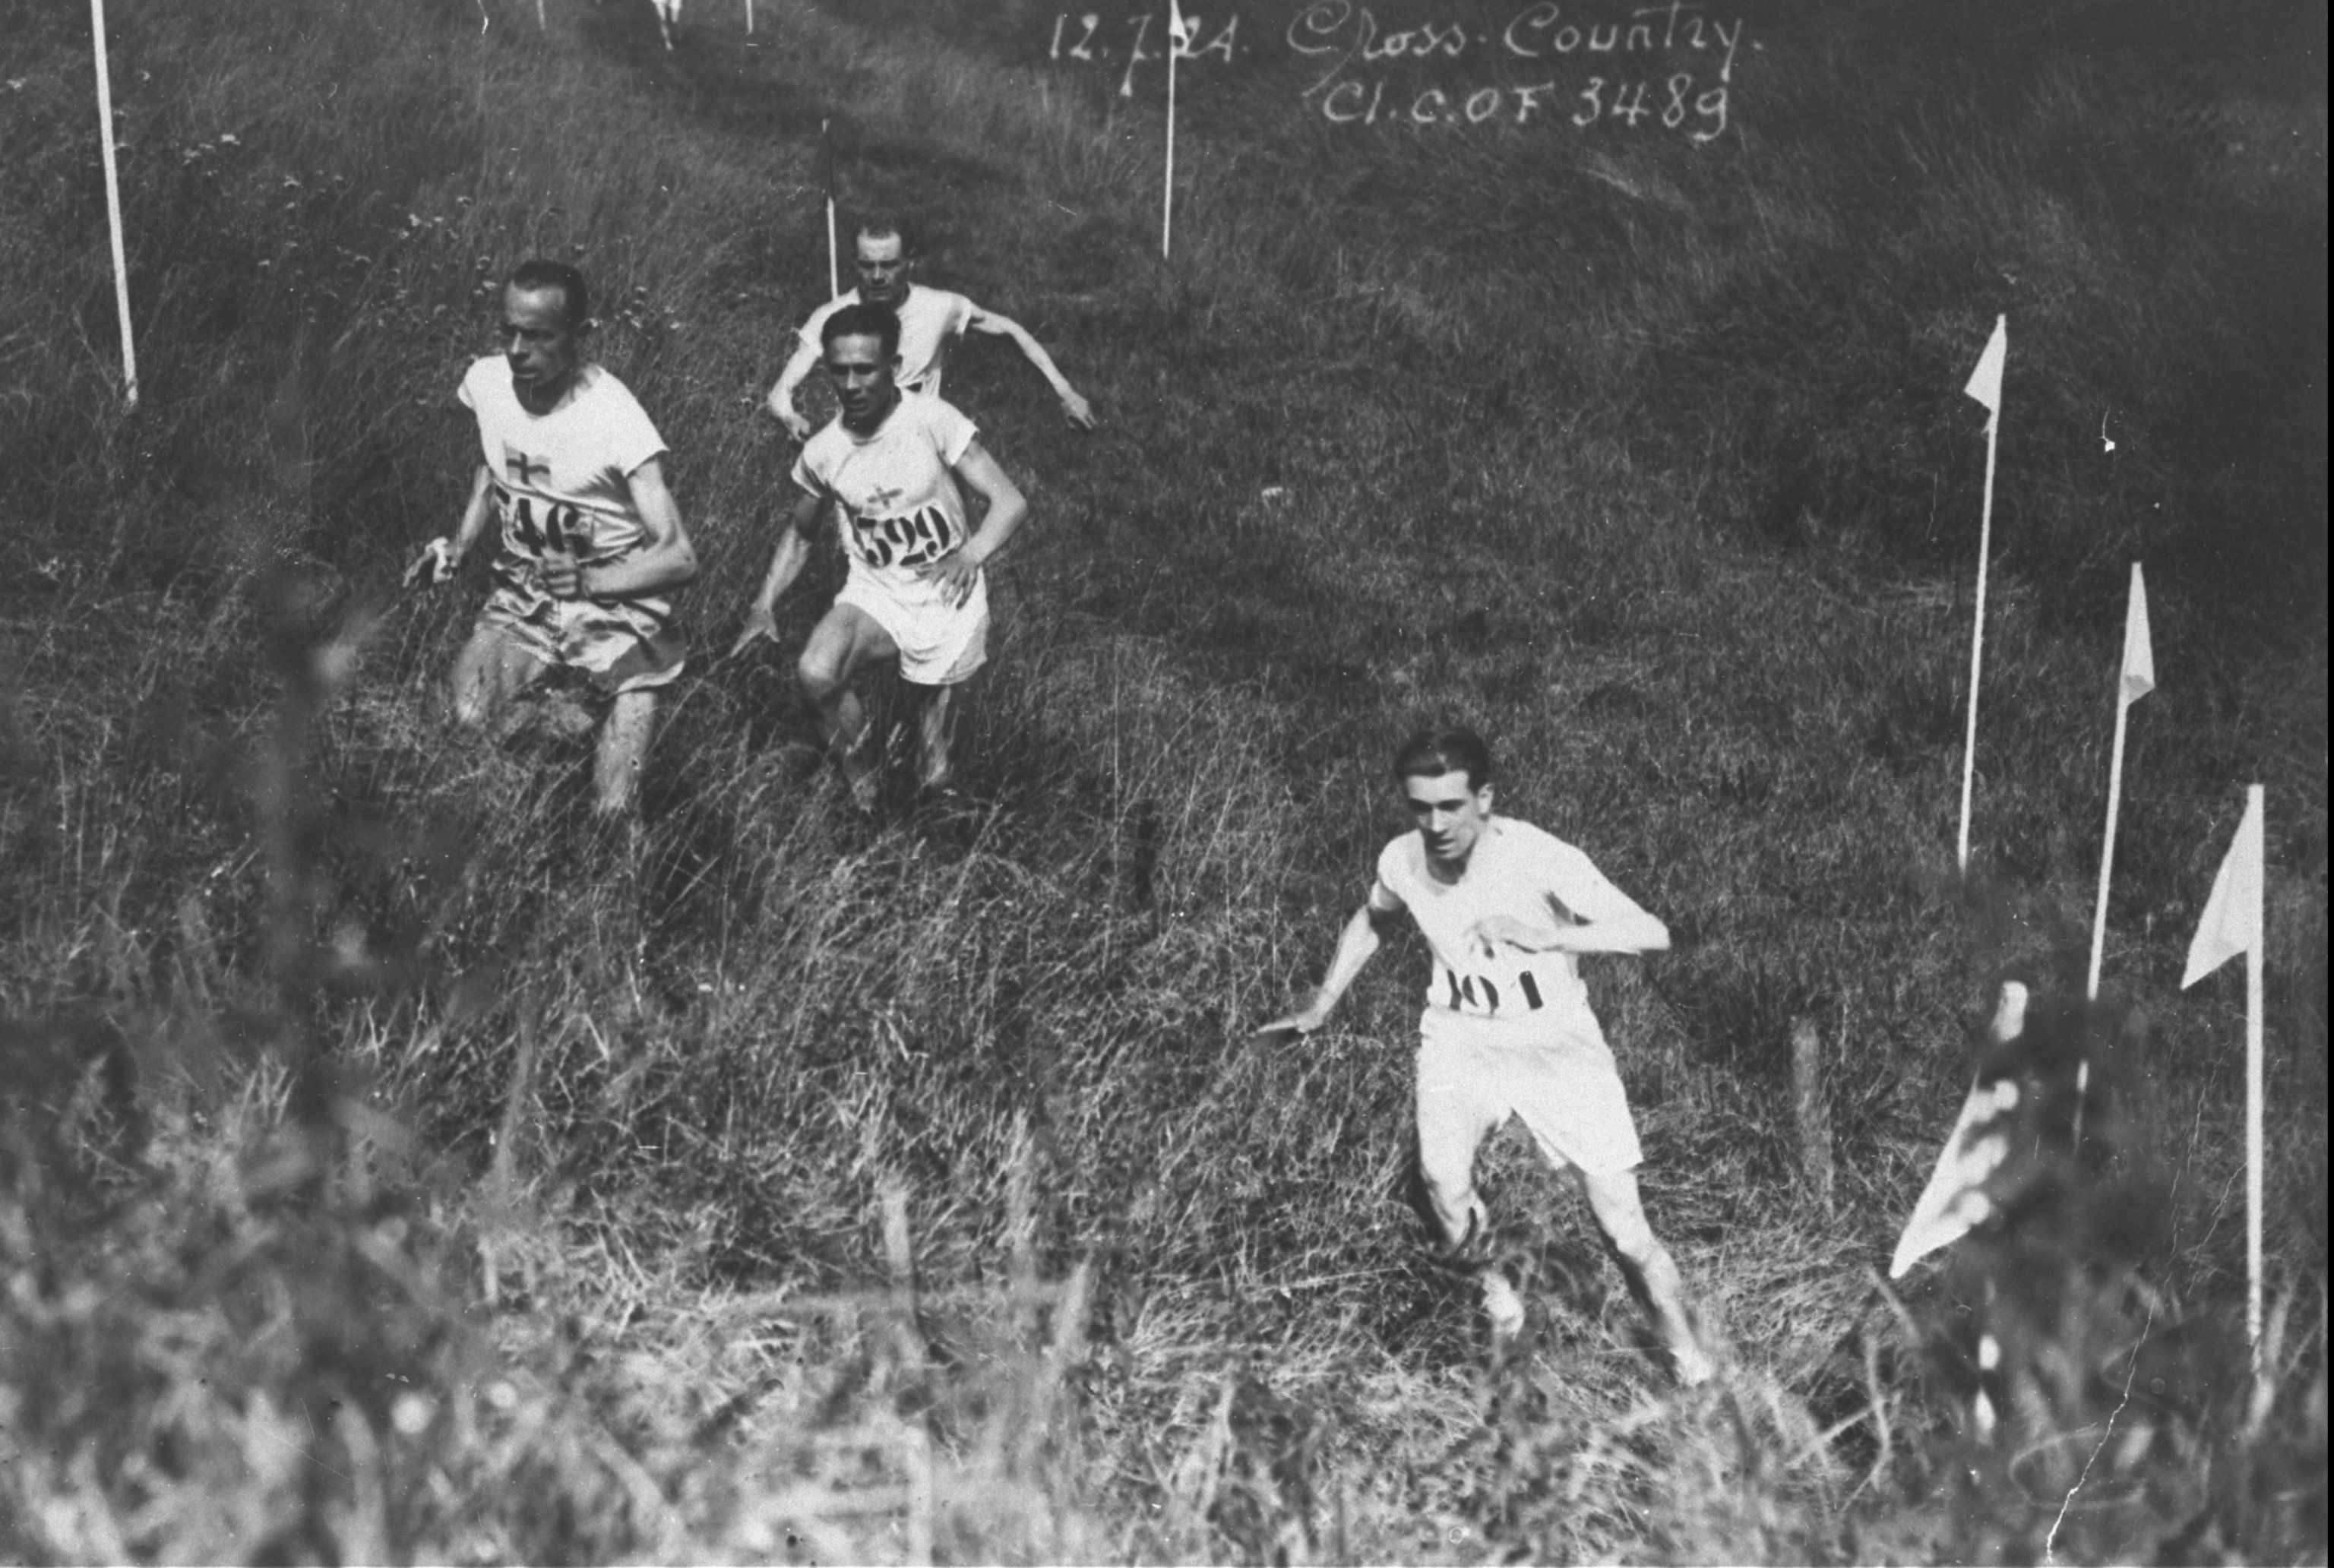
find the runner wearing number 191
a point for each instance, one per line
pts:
(890, 463)
(590, 544)
(1507, 1030)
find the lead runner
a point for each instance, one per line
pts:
(1508, 909)
(590, 544)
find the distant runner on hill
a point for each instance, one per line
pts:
(590, 543)
(1506, 910)
(931, 321)
(890, 463)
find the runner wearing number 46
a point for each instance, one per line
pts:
(890, 463)
(1508, 909)
(589, 542)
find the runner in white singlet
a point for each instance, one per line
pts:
(930, 322)
(890, 465)
(1507, 1030)
(589, 542)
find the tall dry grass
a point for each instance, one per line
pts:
(430, 1176)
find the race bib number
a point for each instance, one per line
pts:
(910, 539)
(1515, 991)
(537, 526)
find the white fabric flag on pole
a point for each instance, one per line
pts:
(1985, 381)
(2134, 679)
(1985, 386)
(2231, 924)
(1179, 39)
(113, 205)
(2231, 921)
(2138, 675)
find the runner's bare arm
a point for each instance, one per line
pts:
(786, 565)
(978, 473)
(1587, 915)
(1079, 411)
(1358, 944)
(442, 555)
(1635, 932)
(781, 401)
(665, 559)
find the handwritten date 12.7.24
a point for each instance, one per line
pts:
(1083, 38)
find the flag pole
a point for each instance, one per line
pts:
(1167, 197)
(2231, 923)
(833, 259)
(2257, 809)
(2107, 851)
(1984, 549)
(113, 206)
(2134, 679)
(749, 18)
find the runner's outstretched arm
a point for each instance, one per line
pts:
(1358, 944)
(781, 401)
(786, 565)
(1079, 411)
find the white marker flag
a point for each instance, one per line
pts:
(2139, 651)
(1985, 381)
(1179, 39)
(2134, 679)
(1985, 386)
(2231, 923)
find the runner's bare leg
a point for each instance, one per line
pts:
(935, 730)
(845, 641)
(622, 750)
(490, 673)
(1646, 1265)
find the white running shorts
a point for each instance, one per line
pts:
(939, 646)
(1557, 1073)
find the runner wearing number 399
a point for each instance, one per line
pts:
(1506, 909)
(590, 543)
(890, 463)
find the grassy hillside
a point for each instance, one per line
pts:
(395, 1166)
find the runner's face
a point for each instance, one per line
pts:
(543, 350)
(1449, 814)
(862, 379)
(884, 269)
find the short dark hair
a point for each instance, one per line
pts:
(863, 320)
(1431, 753)
(576, 299)
(882, 225)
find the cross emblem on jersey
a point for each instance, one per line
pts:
(880, 499)
(522, 467)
